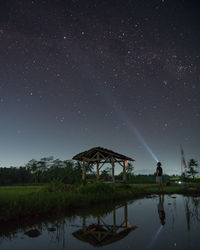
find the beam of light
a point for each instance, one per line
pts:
(155, 237)
(110, 99)
(134, 130)
(141, 139)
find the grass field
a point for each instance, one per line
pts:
(34, 201)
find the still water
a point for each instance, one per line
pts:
(158, 222)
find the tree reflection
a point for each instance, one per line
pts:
(192, 210)
(100, 226)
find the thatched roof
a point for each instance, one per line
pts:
(104, 154)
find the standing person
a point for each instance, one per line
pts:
(159, 173)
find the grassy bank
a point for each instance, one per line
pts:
(57, 199)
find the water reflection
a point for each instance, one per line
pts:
(169, 220)
(161, 211)
(192, 211)
(101, 232)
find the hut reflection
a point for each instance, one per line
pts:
(102, 233)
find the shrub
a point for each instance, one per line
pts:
(96, 188)
(57, 186)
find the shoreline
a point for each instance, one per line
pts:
(24, 203)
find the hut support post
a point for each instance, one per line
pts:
(84, 171)
(113, 170)
(97, 170)
(124, 171)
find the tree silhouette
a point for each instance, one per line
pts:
(192, 168)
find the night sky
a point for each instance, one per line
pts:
(124, 75)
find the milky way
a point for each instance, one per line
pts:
(79, 74)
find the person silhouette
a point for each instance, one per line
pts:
(161, 211)
(159, 173)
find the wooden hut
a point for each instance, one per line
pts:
(100, 156)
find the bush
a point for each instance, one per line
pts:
(96, 188)
(57, 186)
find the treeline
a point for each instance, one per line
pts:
(43, 171)
(49, 169)
(13, 175)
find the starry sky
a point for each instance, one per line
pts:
(76, 74)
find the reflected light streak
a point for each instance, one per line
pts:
(155, 237)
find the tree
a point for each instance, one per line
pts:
(192, 168)
(106, 174)
(129, 172)
(31, 166)
(129, 169)
(39, 168)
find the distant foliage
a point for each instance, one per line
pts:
(13, 175)
(45, 170)
(106, 174)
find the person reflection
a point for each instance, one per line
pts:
(161, 211)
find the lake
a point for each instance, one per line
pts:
(156, 222)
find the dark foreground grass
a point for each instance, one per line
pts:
(18, 203)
